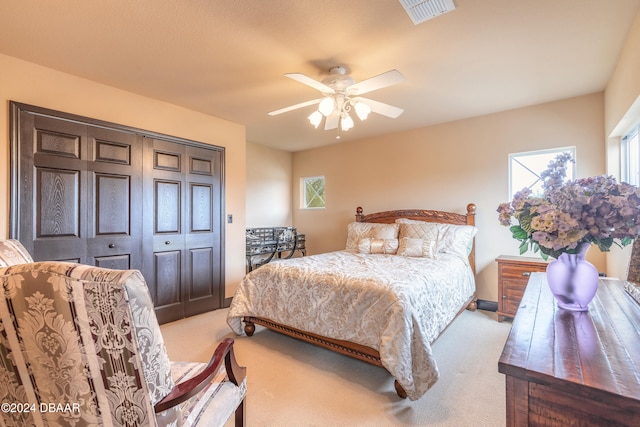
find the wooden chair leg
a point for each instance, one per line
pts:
(240, 414)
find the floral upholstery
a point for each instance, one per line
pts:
(12, 252)
(81, 346)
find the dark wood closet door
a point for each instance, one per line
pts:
(183, 228)
(115, 191)
(97, 193)
(78, 190)
(51, 186)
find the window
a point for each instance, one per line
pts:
(630, 156)
(312, 192)
(525, 168)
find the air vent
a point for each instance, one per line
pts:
(423, 10)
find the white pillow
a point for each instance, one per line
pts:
(416, 247)
(357, 231)
(456, 239)
(452, 238)
(378, 246)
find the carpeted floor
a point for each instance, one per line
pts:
(291, 383)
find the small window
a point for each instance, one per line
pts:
(525, 168)
(630, 156)
(313, 192)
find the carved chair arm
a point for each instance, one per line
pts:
(189, 388)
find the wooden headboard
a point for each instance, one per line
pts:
(389, 217)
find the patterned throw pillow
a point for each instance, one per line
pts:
(455, 239)
(416, 247)
(378, 246)
(357, 231)
(419, 230)
(450, 238)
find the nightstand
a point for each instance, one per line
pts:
(513, 275)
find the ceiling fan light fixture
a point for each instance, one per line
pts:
(315, 118)
(346, 122)
(341, 95)
(362, 110)
(326, 106)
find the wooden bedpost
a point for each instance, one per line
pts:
(359, 214)
(471, 220)
(471, 214)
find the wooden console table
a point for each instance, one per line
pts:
(568, 368)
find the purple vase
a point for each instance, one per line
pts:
(573, 280)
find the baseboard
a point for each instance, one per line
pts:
(487, 305)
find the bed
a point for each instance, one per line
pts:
(384, 299)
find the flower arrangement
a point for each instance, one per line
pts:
(595, 210)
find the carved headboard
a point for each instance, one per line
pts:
(426, 215)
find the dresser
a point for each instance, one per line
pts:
(566, 368)
(513, 275)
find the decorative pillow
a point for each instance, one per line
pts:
(416, 247)
(357, 231)
(378, 246)
(456, 239)
(419, 230)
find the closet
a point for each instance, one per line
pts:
(97, 193)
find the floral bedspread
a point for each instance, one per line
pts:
(395, 305)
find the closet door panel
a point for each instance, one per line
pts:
(58, 203)
(168, 274)
(53, 215)
(201, 276)
(113, 204)
(117, 262)
(202, 236)
(115, 195)
(167, 207)
(163, 227)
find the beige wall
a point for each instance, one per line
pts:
(32, 84)
(268, 187)
(445, 167)
(622, 110)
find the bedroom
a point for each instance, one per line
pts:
(475, 171)
(585, 121)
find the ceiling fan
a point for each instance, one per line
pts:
(341, 95)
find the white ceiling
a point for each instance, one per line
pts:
(227, 57)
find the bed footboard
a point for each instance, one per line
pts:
(357, 351)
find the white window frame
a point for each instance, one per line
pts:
(630, 156)
(552, 152)
(303, 192)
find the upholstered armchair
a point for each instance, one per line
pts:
(12, 252)
(80, 345)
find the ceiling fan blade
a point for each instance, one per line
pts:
(294, 107)
(389, 78)
(310, 82)
(331, 122)
(381, 107)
